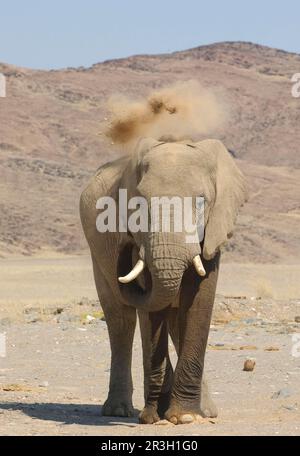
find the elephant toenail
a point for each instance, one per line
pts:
(187, 418)
(173, 420)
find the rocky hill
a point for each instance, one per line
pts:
(51, 141)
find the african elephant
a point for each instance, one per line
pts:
(172, 285)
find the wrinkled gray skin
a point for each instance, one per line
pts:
(169, 296)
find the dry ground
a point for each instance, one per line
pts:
(55, 375)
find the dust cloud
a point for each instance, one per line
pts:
(180, 111)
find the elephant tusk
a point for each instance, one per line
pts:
(140, 265)
(199, 266)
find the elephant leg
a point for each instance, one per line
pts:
(207, 406)
(121, 322)
(158, 371)
(196, 304)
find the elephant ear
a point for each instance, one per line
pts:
(104, 183)
(230, 193)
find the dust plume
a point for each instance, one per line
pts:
(180, 111)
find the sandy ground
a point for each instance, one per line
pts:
(60, 279)
(55, 374)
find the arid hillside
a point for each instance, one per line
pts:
(51, 141)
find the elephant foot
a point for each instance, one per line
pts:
(117, 406)
(152, 413)
(178, 414)
(149, 415)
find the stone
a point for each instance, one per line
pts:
(282, 393)
(84, 301)
(249, 364)
(34, 318)
(291, 408)
(66, 318)
(5, 321)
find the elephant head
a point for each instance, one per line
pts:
(150, 264)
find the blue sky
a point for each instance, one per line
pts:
(61, 33)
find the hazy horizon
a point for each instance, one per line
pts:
(140, 54)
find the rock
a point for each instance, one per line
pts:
(297, 319)
(253, 321)
(93, 317)
(249, 364)
(234, 323)
(66, 318)
(32, 314)
(162, 423)
(16, 387)
(53, 310)
(290, 407)
(34, 318)
(31, 310)
(271, 349)
(58, 310)
(64, 327)
(248, 347)
(219, 346)
(44, 384)
(5, 321)
(84, 301)
(284, 392)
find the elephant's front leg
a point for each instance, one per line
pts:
(158, 372)
(195, 311)
(208, 408)
(121, 327)
(121, 322)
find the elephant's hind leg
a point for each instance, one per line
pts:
(121, 321)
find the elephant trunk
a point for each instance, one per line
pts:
(167, 256)
(163, 259)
